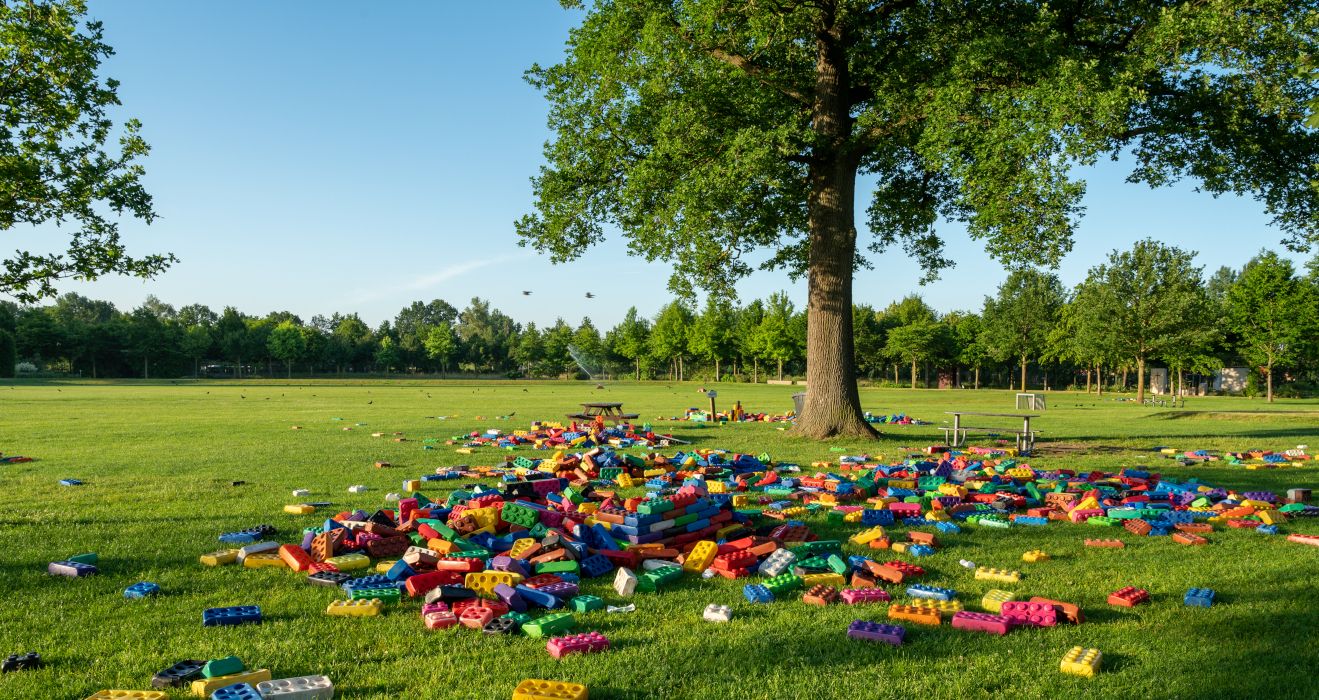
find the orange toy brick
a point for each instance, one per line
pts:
(820, 595)
(1195, 528)
(1066, 611)
(295, 557)
(1137, 527)
(1128, 597)
(1106, 544)
(912, 613)
(1188, 538)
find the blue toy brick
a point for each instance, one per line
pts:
(235, 615)
(920, 550)
(72, 569)
(921, 590)
(596, 565)
(400, 571)
(1199, 597)
(1267, 529)
(915, 521)
(857, 561)
(757, 593)
(948, 527)
(237, 691)
(238, 538)
(141, 590)
(70, 482)
(1030, 520)
(1159, 532)
(871, 517)
(539, 598)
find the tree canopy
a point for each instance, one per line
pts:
(726, 136)
(59, 163)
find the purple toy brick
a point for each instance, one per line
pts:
(981, 622)
(562, 590)
(510, 596)
(876, 632)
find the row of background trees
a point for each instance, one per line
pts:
(1150, 304)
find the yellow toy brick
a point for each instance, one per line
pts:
(723, 532)
(535, 689)
(128, 695)
(741, 501)
(830, 579)
(699, 558)
(464, 450)
(1087, 503)
(262, 560)
(362, 607)
(952, 489)
(1260, 505)
(350, 562)
(865, 536)
(625, 481)
(1081, 662)
(299, 509)
(715, 486)
(483, 517)
(986, 573)
(994, 600)
(852, 516)
(412, 485)
(383, 567)
(938, 516)
(520, 547)
(651, 473)
(946, 607)
(1271, 517)
(1035, 556)
(484, 582)
(220, 558)
(900, 547)
(203, 687)
(902, 483)
(794, 511)
(827, 499)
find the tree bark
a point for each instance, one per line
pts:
(1268, 381)
(977, 376)
(1140, 380)
(913, 373)
(1087, 380)
(1099, 379)
(780, 371)
(1023, 373)
(833, 403)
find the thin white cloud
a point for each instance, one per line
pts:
(426, 281)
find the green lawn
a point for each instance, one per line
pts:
(158, 460)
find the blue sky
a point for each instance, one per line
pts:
(332, 156)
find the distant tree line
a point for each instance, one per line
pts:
(1143, 307)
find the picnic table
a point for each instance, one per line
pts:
(956, 435)
(603, 411)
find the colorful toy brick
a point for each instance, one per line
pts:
(71, 569)
(1066, 611)
(779, 562)
(994, 599)
(357, 607)
(329, 578)
(1187, 538)
(1080, 661)
(21, 662)
(180, 674)
(1035, 556)
(546, 625)
(474, 617)
(981, 622)
(484, 582)
(226, 666)
(701, 556)
(1199, 598)
(946, 607)
(717, 613)
(204, 687)
(536, 689)
(985, 573)
(1312, 540)
(858, 596)
(298, 688)
(237, 691)
(142, 589)
(439, 620)
(262, 560)
(585, 603)
(820, 595)
(350, 562)
(757, 593)
(220, 557)
(1027, 614)
(876, 632)
(235, 615)
(911, 613)
(920, 590)
(390, 594)
(129, 695)
(587, 643)
(783, 583)
(1105, 544)
(1128, 597)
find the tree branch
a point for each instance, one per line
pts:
(759, 73)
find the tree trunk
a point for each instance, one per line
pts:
(146, 368)
(1140, 380)
(913, 373)
(1087, 381)
(780, 369)
(682, 369)
(1099, 379)
(977, 377)
(1268, 382)
(1023, 373)
(755, 370)
(638, 361)
(895, 373)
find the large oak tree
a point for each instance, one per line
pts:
(729, 134)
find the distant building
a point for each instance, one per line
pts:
(1231, 380)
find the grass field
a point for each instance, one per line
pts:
(158, 460)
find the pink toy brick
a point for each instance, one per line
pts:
(981, 622)
(855, 596)
(586, 643)
(1025, 614)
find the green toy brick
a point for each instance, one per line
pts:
(549, 625)
(558, 567)
(223, 667)
(783, 583)
(88, 558)
(388, 595)
(585, 603)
